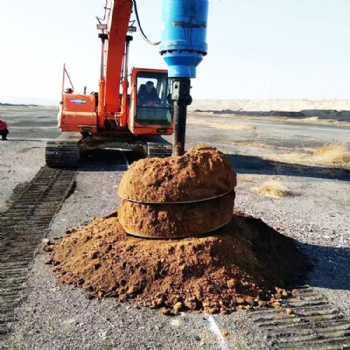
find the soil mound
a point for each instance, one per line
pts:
(203, 172)
(237, 267)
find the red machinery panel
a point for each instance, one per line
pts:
(78, 112)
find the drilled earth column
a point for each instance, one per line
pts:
(176, 220)
(178, 197)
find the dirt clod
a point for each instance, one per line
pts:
(165, 311)
(289, 311)
(178, 307)
(46, 245)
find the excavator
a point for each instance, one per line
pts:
(133, 110)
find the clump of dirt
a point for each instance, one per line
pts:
(203, 172)
(238, 267)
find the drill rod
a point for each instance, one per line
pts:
(180, 98)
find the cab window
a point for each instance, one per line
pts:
(152, 103)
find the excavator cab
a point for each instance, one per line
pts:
(152, 104)
(150, 111)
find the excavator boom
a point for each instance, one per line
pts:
(117, 35)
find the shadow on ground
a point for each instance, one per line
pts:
(331, 266)
(325, 267)
(256, 165)
(107, 160)
(114, 160)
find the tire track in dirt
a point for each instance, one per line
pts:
(311, 323)
(22, 227)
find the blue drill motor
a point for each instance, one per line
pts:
(183, 40)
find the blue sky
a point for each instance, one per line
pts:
(257, 49)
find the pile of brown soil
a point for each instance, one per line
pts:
(203, 172)
(178, 196)
(237, 267)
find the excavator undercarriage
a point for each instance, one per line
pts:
(65, 151)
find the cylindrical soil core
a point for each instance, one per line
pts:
(179, 196)
(176, 220)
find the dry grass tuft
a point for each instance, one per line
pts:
(243, 178)
(334, 154)
(253, 144)
(272, 188)
(331, 154)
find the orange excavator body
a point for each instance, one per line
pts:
(115, 109)
(134, 110)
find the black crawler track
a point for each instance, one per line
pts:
(22, 227)
(159, 150)
(314, 324)
(61, 154)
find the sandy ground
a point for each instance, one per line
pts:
(315, 214)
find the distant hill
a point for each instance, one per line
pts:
(17, 105)
(27, 101)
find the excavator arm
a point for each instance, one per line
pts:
(110, 79)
